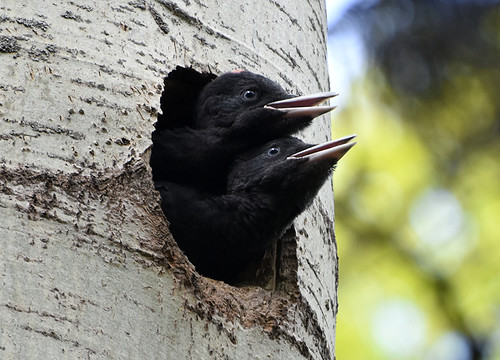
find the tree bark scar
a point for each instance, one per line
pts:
(159, 20)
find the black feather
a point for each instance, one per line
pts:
(265, 191)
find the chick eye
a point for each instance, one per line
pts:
(249, 95)
(273, 151)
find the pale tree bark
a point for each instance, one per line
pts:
(88, 268)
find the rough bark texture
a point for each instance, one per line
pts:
(88, 268)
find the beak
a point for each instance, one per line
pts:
(333, 150)
(304, 105)
(306, 100)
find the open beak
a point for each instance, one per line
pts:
(332, 150)
(304, 105)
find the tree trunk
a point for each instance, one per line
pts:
(88, 267)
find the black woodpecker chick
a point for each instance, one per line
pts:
(267, 187)
(235, 112)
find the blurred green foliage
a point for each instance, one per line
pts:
(417, 205)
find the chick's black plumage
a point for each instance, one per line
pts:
(220, 118)
(267, 187)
